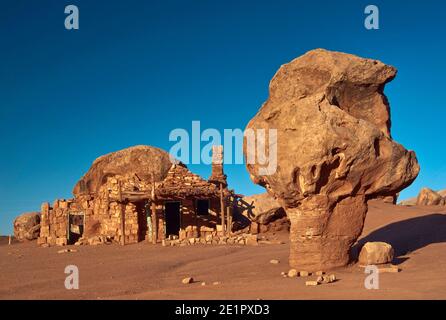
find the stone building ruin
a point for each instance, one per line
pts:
(125, 198)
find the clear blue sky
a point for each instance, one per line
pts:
(138, 69)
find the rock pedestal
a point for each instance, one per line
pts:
(334, 151)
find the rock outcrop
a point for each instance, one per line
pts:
(145, 161)
(27, 226)
(373, 253)
(263, 208)
(334, 151)
(428, 197)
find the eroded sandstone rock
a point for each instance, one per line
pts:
(264, 208)
(144, 161)
(428, 197)
(334, 151)
(27, 226)
(373, 253)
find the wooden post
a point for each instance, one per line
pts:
(222, 208)
(154, 224)
(122, 214)
(153, 209)
(229, 219)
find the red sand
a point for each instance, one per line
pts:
(144, 271)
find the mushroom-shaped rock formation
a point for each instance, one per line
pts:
(334, 151)
(428, 197)
(146, 162)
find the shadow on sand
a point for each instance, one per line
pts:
(408, 235)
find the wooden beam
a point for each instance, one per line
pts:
(154, 224)
(222, 208)
(121, 205)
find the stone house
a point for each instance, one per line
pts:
(128, 209)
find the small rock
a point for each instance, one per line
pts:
(332, 278)
(187, 280)
(320, 273)
(311, 283)
(292, 273)
(216, 283)
(304, 273)
(391, 269)
(274, 261)
(203, 284)
(66, 250)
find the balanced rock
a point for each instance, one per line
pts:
(373, 253)
(27, 226)
(428, 197)
(148, 163)
(334, 151)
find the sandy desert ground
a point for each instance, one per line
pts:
(144, 271)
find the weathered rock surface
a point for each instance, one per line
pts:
(334, 151)
(27, 226)
(265, 209)
(373, 253)
(428, 197)
(141, 160)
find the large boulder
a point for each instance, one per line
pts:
(27, 226)
(373, 253)
(144, 161)
(428, 197)
(334, 151)
(263, 208)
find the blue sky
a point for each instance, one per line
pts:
(138, 69)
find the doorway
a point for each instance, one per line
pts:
(143, 210)
(75, 226)
(172, 216)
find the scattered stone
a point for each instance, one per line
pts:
(390, 269)
(66, 250)
(320, 273)
(274, 261)
(187, 280)
(304, 273)
(292, 273)
(311, 283)
(216, 283)
(252, 240)
(203, 284)
(373, 253)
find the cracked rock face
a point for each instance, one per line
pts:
(334, 151)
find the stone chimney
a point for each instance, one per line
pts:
(218, 176)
